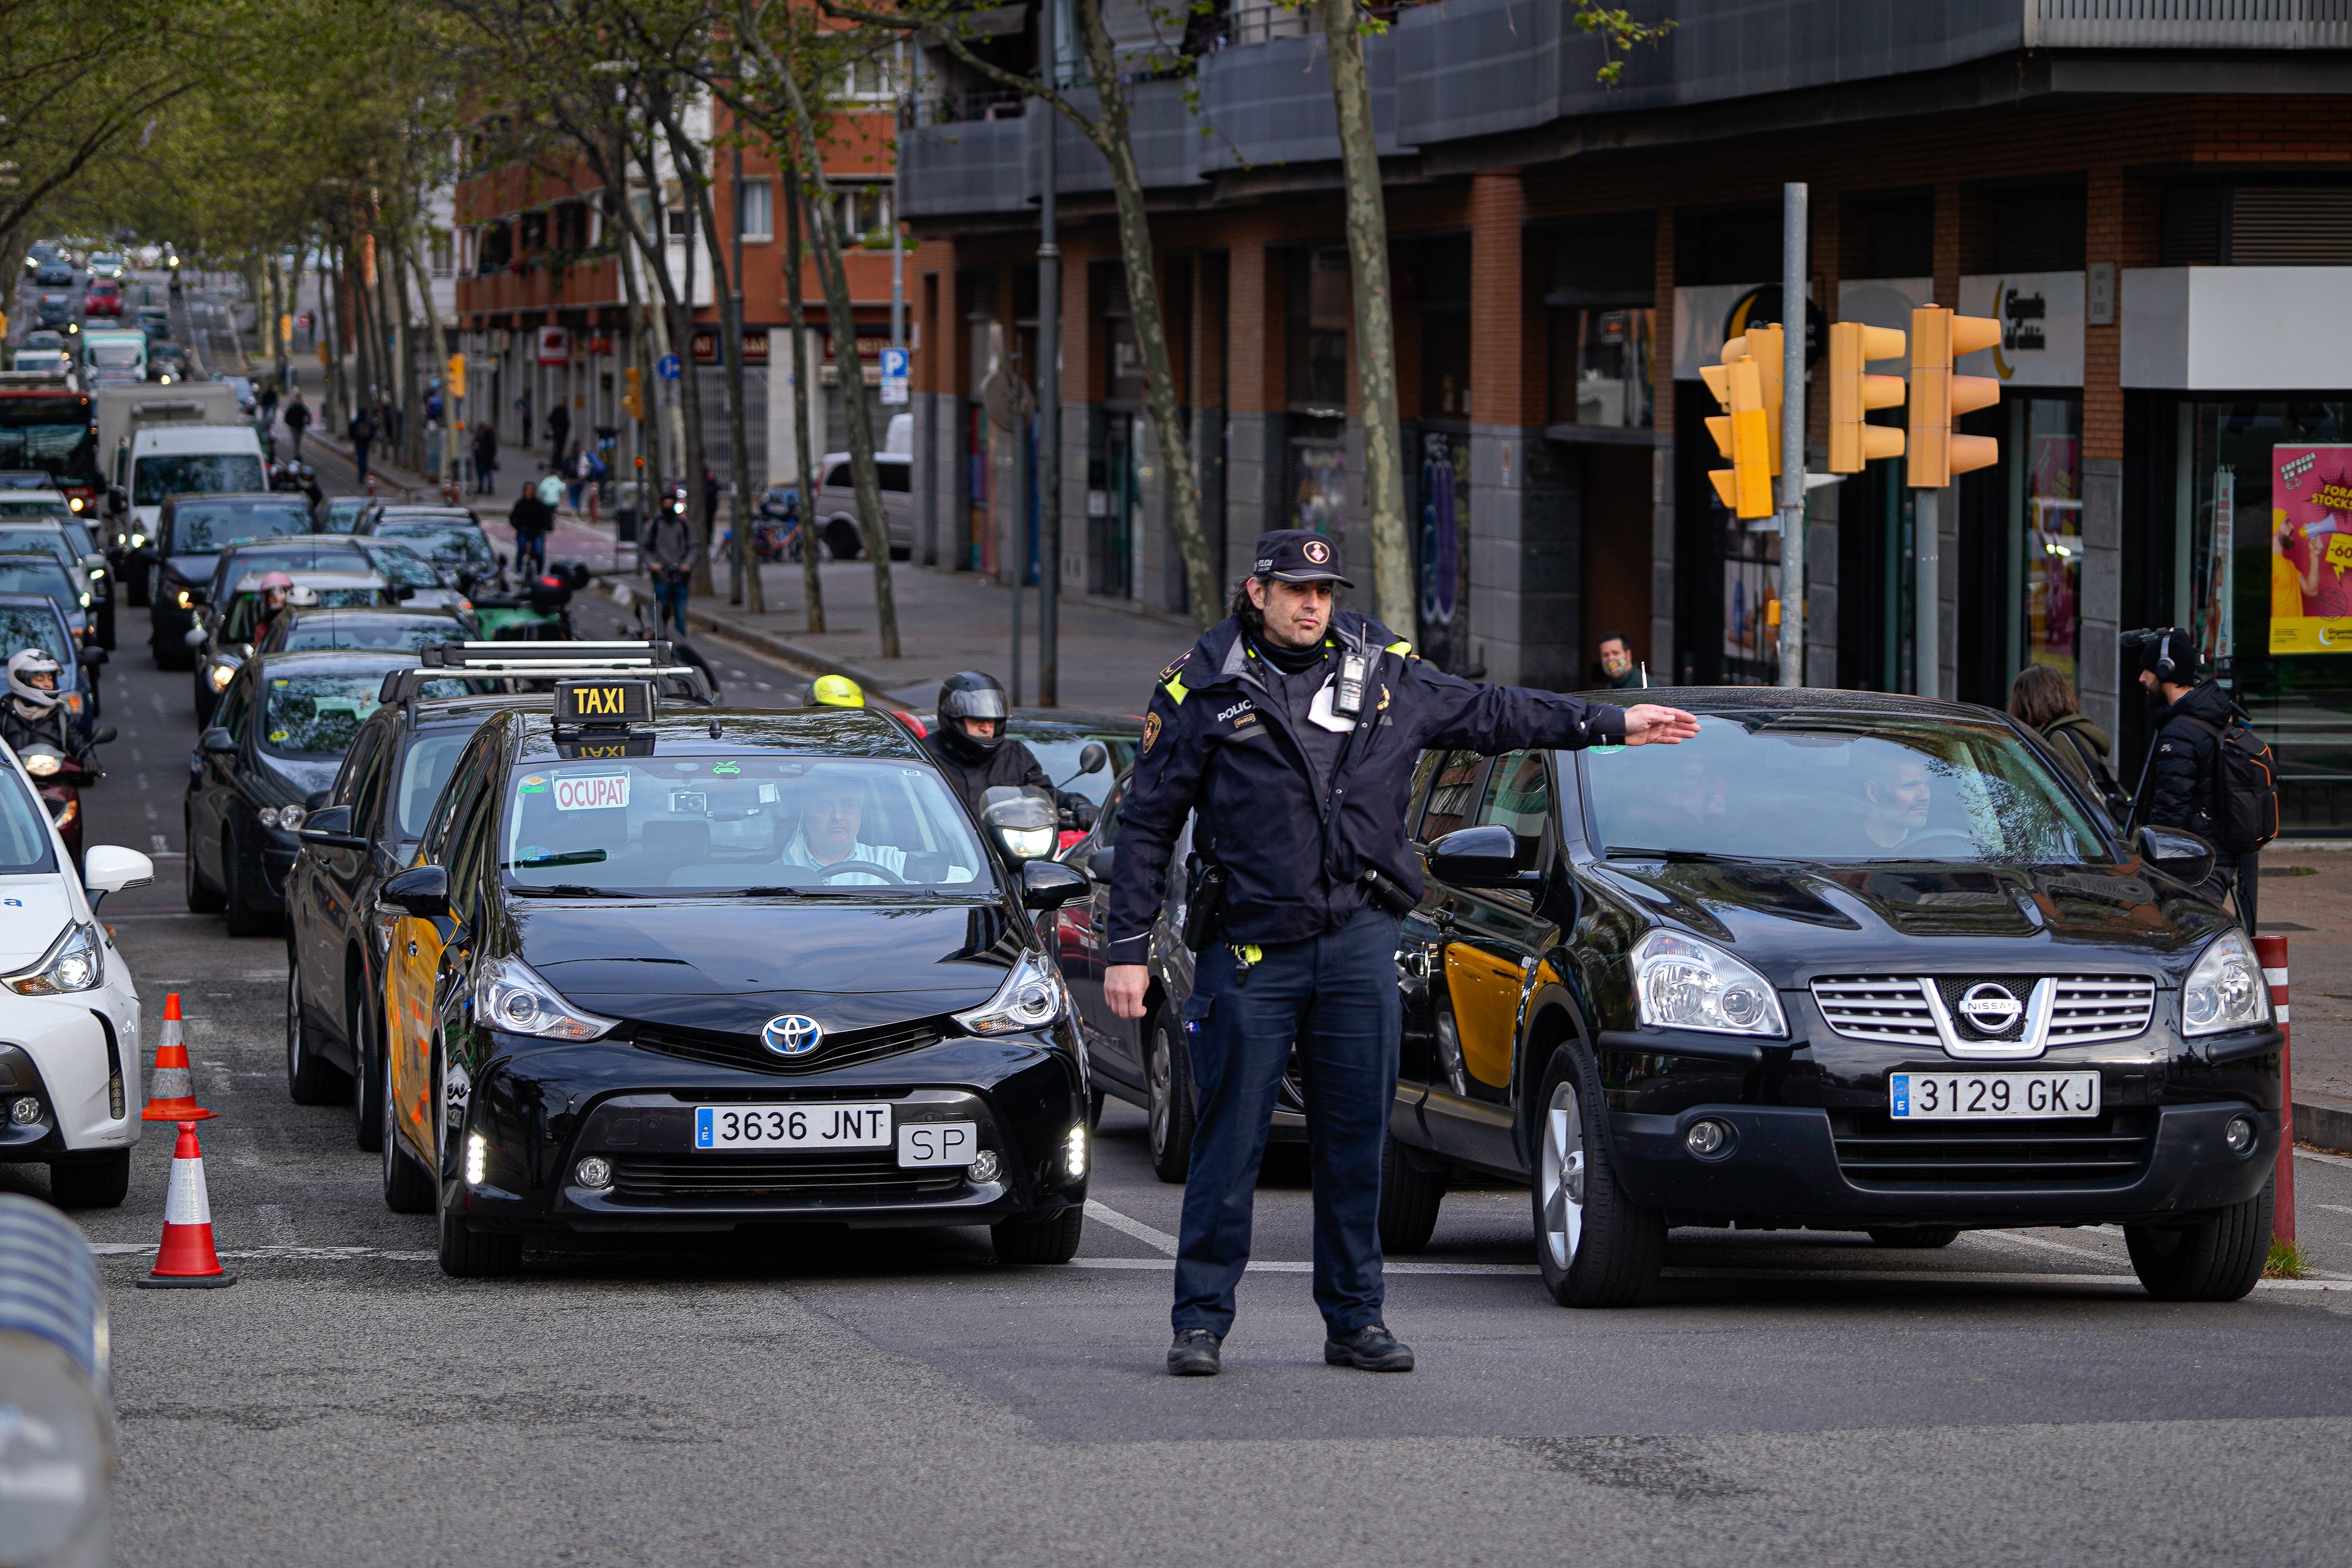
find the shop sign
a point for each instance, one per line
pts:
(2311, 549)
(1705, 318)
(554, 345)
(2040, 317)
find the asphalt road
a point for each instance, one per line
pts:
(897, 1396)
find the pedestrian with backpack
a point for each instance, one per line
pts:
(2043, 698)
(2207, 771)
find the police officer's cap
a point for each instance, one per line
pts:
(1297, 555)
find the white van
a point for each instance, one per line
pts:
(185, 460)
(837, 505)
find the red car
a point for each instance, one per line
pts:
(104, 299)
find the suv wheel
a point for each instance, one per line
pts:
(1054, 1240)
(202, 897)
(1168, 1099)
(309, 1080)
(367, 1082)
(1596, 1246)
(841, 539)
(91, 1181)
(244, 920)
(2217, 1259)
(1409, 1199)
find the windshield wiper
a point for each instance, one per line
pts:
(568, 857)
(573, 890)
(1623, 852)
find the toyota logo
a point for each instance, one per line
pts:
(792, 1035)
(1990, 1008)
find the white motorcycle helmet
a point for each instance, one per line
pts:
(22, 670)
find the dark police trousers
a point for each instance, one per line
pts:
(1336, 995)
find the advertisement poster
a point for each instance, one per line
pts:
(2311, 549)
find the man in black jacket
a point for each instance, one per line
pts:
(1293, 733)
(969, 742)
(2184, 762)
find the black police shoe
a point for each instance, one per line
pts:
(1195, 1353)
(1371, 1347)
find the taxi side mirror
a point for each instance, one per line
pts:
(1046, 885)
(2182, 856)
(422, 891)
(1479, 857)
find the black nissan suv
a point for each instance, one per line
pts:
(1846, 962)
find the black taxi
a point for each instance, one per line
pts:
(701, 970)
(1843, 962)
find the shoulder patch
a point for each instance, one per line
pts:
(1175, 664)
(1150, 733)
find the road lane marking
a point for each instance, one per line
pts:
(1159, 1240)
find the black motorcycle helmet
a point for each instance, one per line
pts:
(970, 694)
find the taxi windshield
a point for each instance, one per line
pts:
(403, 634)
(1834, 787)
(316, 716)
(754, 823)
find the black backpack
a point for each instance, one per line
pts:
(2245, 785)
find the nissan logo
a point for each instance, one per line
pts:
(1990, 1008)
(792, 1035)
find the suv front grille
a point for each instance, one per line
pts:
(865, 1176)
(1912, 1010)
(2107, 1150)
(844, 1049)
(2089, 1008)
(1885, 1007)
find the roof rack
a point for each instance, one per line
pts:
(512, 663)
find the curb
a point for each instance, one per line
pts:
(807, 658)
(2327, 1126)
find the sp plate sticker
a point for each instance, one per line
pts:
(592, 791)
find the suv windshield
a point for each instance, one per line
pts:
(23, 627)
(401, 566)
(210, 526)
(759, 821)
(198, 474)
(459, 545)
(316, 716)
(1834, 787)
(27, 573)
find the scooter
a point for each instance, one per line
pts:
(61, 779)
(538, 611)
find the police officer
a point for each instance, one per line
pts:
(1293, 731)
(969, 742)
(2188, 716)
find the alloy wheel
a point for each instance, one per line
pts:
(1560, 1175)
(1160, 1095)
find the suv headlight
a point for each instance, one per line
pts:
(76, 961)
(1683, 983)
(509, 996)
(2226, 990)
(1031, 996)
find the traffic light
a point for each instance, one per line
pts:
(1764, 345)
(456, 375)
(1742, 434)
(1854, 442)
(1938, 396)
(634, 399)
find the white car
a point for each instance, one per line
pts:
(69, 1013)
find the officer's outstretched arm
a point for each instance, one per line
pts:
(1478, 716)
(1160, 795)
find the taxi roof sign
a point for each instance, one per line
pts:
(607, 704)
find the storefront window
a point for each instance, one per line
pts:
(2046, 518)
(2266, 580)
(1601, 363)
(1442, 548)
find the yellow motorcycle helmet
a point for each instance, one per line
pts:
(836, 691)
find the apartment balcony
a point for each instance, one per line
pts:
(596, 281)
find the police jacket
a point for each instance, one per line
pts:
(1216, 741)
(2181, 760)
(1011, 764)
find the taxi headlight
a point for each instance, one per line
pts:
(1031, 996)
(220, 675)
(509, 996)
(1683, 983)
(76, 961)
(2226, 990)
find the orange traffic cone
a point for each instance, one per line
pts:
(171, 1097)
(186, 1260)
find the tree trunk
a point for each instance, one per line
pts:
(1109, 133)
(657, 317)
(689, 413)
(840, 327)
(812, 583)
(439, 351)
(1376, 378)
(641, 335)
(731, 328)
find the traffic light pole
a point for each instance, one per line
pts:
(1794, 316)
(1926, 613)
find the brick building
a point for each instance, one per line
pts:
(2155, 197)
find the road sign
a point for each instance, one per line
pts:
(668, 367)
(893, 375)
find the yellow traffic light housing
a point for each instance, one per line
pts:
(1938, 396)
(456, 375)
(1854, 442)
(1742, 434)
(634, 397)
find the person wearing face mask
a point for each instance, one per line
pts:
(1289, 734)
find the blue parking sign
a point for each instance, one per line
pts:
(893, 375)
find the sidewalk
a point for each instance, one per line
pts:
(2306, 897)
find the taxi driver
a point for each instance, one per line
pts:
(1896, 795)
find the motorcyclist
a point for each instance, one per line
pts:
(34, 711)
(972, 748)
